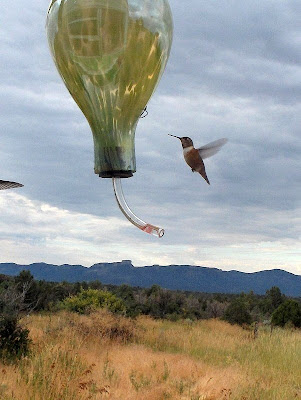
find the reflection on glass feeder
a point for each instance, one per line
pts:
(111, 55)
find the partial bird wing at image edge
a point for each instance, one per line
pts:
(211, 148)
(9, 185)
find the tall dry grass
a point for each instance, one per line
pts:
(106, 357)
(268, 367)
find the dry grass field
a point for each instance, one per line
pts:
(107, 357)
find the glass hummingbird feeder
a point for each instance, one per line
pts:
(111, 55)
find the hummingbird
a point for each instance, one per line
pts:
(9, 185)
(194, 157)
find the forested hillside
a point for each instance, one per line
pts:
(174, 277)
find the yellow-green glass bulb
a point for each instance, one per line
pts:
(111, 55)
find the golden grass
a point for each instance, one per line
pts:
(106, 357)
(268, 367)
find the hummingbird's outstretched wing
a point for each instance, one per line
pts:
(9, 185)
(211, 148)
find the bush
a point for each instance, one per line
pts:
(104, 325)
(237, 312)
(14, 340)
(287, 313)
(92, 299)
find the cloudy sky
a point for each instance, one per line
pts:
(234, 72)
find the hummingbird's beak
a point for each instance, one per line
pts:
(174, 136)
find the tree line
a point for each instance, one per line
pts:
(243, 308)
(23, 294)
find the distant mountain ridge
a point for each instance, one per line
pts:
(175, 277)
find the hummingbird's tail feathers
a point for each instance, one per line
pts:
(8, 185)
(202, 171)
(205, 177)
(212, 148)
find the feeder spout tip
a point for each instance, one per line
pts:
(153, 230)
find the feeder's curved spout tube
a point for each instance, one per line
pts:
(148, 228)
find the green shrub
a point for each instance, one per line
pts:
(14, 340)
(237, 312)
(91, 299)
(287, 312)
